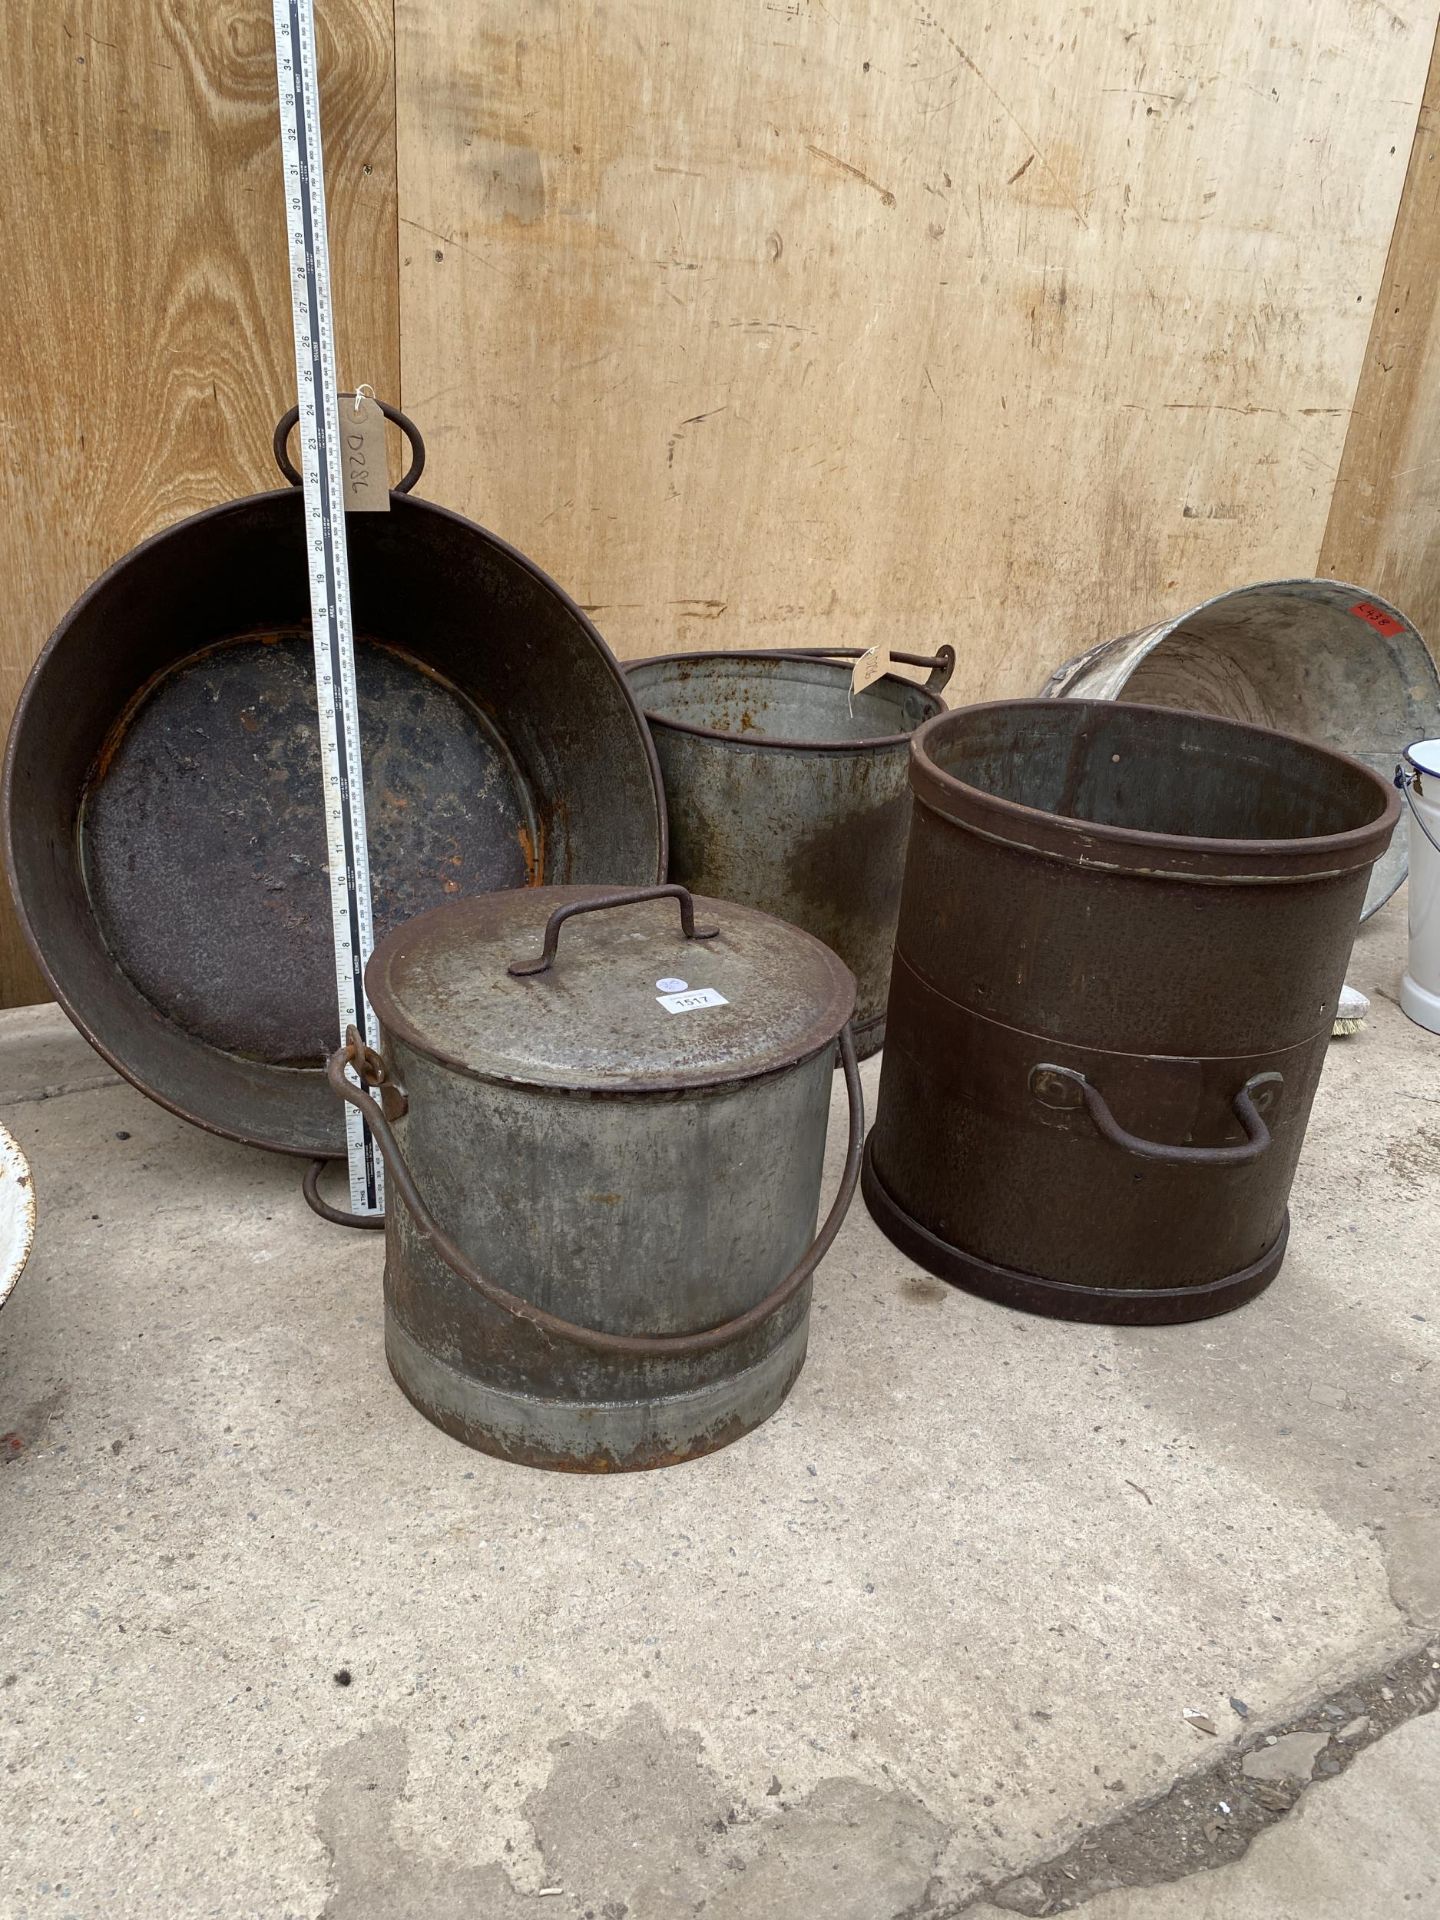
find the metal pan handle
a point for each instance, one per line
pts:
(630, 897)
(374, 1071)
(407, 426)
(1065, 1087)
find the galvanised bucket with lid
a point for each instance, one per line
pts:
(603, 1116)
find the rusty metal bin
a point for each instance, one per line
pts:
(785, 794)
(1122, 937)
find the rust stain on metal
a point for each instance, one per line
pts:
(532, 851)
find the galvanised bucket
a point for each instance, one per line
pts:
(1315, 657)
(605, 1154)
(786, 794)
(1122, 938)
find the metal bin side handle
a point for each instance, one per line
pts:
(374, 1071)
(1064, 1087)
(631, 896)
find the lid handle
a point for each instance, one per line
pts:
(632, 896)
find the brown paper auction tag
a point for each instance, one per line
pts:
(365, 474)
(871, 666)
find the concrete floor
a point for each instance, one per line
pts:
(922, 1645)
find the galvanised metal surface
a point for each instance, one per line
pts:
(1333, 662)
(17, 1213)
(1122, 938)
(163, 802)
(602, 1211)
(786, 795)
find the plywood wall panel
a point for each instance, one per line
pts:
(780, 322)
(145, 343)
(769, 322)
(1384, 526)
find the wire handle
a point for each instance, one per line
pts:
(1405, 781)
(375, 1071)
(941, 663)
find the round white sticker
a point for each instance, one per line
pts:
(672, 986)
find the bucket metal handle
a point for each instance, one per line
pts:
(288, 422)
(1405, 781)
(941, 663)
(629, 897)
(1066, 1087)
(375, 1072)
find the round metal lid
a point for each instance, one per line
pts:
(627, 1004)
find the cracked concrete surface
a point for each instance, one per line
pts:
(1214, 1814)
(1362, 1844)
(937, 1621)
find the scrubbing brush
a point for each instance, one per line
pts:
(1351, 1012)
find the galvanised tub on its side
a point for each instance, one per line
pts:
(1122, 939)
(1332, 662)
(787, 794)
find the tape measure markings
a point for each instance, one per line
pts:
(335, 688)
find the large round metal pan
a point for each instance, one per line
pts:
(164, 827)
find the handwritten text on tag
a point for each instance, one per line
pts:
(871, 665)
(362, 455)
